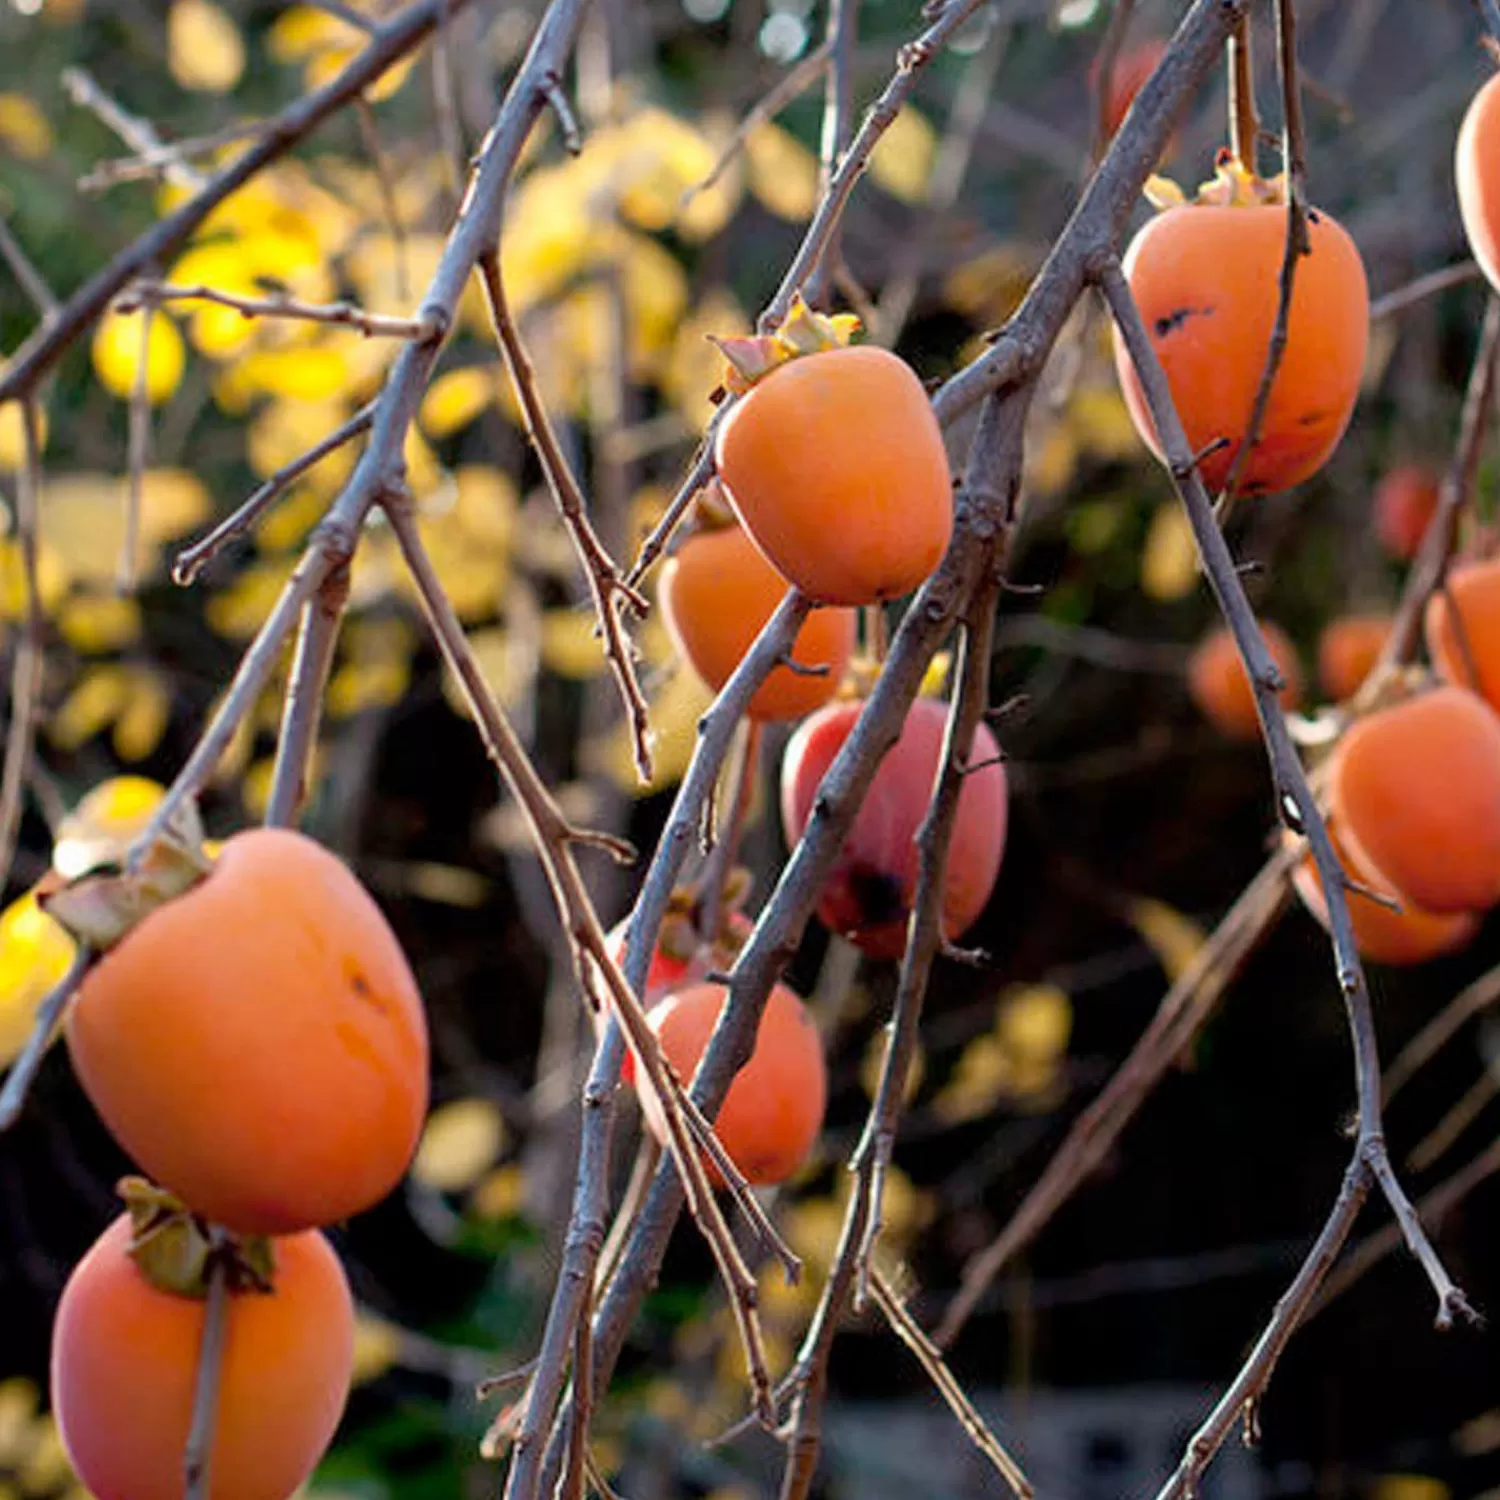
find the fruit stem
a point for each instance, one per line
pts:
(1244, 124)
(198, 1455)
(877, 636)
(740, 788)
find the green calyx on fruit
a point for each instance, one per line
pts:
(177, 1252)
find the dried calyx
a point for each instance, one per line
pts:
(1231, 186)
(802, 331)
(178, 1252)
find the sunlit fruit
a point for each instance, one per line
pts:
(125, 1360)
(1477, 168)
(1205, 276)
(868, 894)
(1408, 936)
(1132, 67)
(257, 1044)
(1405, 500)
(717, 592)
(1347, 649)
(774, 1108)
(1415, 791)
(835, 464)
(1466, 649)
(1220, 686)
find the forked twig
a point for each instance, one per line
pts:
(338, 314)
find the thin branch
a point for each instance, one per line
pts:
(1456, 1119)
(1471, 1001)
(1398, 299)
(159, 160)
(840, 34)
(137, 448)
(369, 134)
(26, 1066)
(700, 472)
(192, 560)
(1244, 123)
(28, 278)
(340, 314)
(137, 133)
(197, 1458)
(1104, 71)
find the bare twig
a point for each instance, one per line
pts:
(656, 543)
(1398, 299)
(1471, 1001)
(369, 134)
(1456, 1119)
(24, 1070)
(159, 160)
(1244, 123)
(28, 278)
(340, 314)
(840, 34)
(197, 1458)
(140, 135)
(137, 446)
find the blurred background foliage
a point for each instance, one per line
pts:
(1134, 826)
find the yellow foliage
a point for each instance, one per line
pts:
(1171, 935)
(117, 354)
(82, 521)
(24, 131)
(500, 1194)
(546, 239)
(311, 373)
(34, 954)
(95, 622)
(1098, 418)
(371, 683)
(288, 522)
(571, 645)
(460, 1140)
(872, 1065)
(984, 1074)
(142, 719)
(783, 172)
(204, 47)
(485, 506)
(673, 732)
(457, 398)
(284, 430)
(694, 368)
(504, 663)
(13, 433)
(903, 157)
(1034, 1022)
(1169, 560)
(988, 288)
(104, 824)
(377, 1347)
(238, 611)
(51, 579)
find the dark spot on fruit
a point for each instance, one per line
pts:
(1177, 317)
(1314, 217)
(362, 988)
(878, 895)
(1312, 418)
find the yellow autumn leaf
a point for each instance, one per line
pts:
(238, 611)
(310, 373)
(205, 51)
(93, 623)
(460, 1140)
(1100, 421)
(83, 520)
(377, 1347)
(485, 506)
(117, 354)
(1169, 560)
(34, 954)
(570, 645)
(359, 686)
(302, 30)
(142, 719)
(288, 522)
(284, 430)
(104, 824)
(472, 577)
(983, 1075)
(46, 1470)
(24, 131)
(13, 433)
(903, 157)
(1410, 1487)
(988, 288)
(457, 398)
(547, 236)
(812, 1227)
(325, 66)
(674, 715)
(500, 1194)
(1051, 461)
(96, 701)
(1172, 936)
(51, 579)
(1034, 1022)
(783, 173)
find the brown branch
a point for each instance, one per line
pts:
(197, 1457)
(656, 541)
(1471, 1001)
(1456, 1119)
(1398, 299)
(137, 133)
(840, 33)
(159, 160)
(405, 31)
(26, 1066)
(28, 278)
(1244, 123)
(340, 314)
(137, 448)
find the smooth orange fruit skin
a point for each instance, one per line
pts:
(1205, 277)
(1475, 588)
(1404, 502)
(1219, 685)
(125, 1358)
(868, 893)
(1476, 167)
(258, 1045)
(1347, 649)
(774, 1108)
(1415, 790)
(1410, 936)
(716, 594)
(835, 464)
(1131, 69)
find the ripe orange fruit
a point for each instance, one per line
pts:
(774, 1108)
(1478, 179)
(1347, 649)
(716, 594)
(125, 1358)
(1404, 502)
(1410, 936)
(1474, 587)
(1132, 67)
(868, 894)
(1415, 790)
(1205, 276)
(835, 464)
(1219, 685)
(258, 1044)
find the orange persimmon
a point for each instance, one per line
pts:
(1219, 685)
(1132, 67)
(1404, 502)
(125, 1359)
(257, 1044)
(1347, 649)
(1205, 276)
(717, 592)
(835, 464)
(1473, 660)
(1415, 791)
(1478, 178)
(774, 1108)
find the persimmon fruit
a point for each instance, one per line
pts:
(1205, 276)
(868, 894)
(1405, 500)
(717, 592)
(1478, 178)
(258, 1044)
(1132, 67)
(1220, 686)
(1470, 659)
(1415, 791)
(835, 464)
(773, 1111)
(125, 1359)
(1384, 936)
(1347, 649)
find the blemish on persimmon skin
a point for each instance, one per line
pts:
(363, 989)
(1172, 321)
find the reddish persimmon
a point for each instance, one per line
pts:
(868, 894)
(257, 1044)
(1205, 276)
(1219, 685)
(1131, 69)
(774, 1108)
(717, 592)
(1471, 660)
(1479, 180)
(125, 1359)
(835, 464)
(1404, 502)
(1415, 790)
(1347, 649)
(1408, 936)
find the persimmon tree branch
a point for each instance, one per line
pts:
(338, 314)
(1398, 299)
